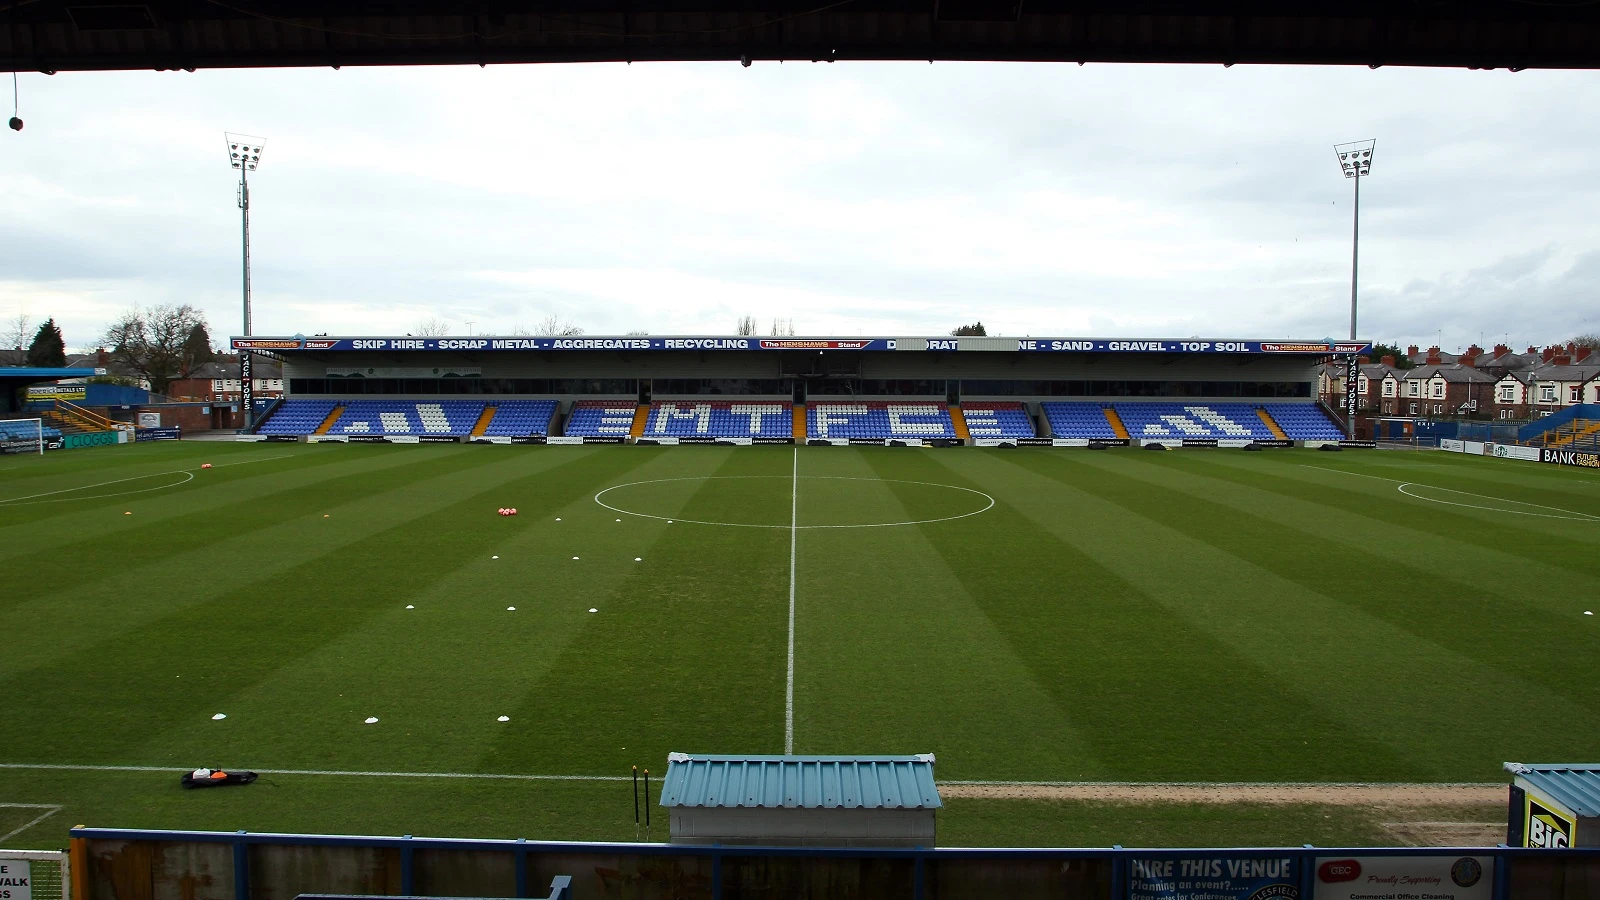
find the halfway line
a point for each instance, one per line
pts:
(794, 518)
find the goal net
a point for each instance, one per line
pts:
(34, 875)
(22, 436)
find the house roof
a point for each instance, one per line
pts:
(1575, 785)
(800, 782)
(1454, 373)
(1566, 373)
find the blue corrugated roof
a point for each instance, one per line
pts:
(36, 372)
(801, 782)
(1576, 785)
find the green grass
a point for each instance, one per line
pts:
(1194, 615)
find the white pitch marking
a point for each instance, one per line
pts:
(247, 462)
(794, 536)
(1572, 515)
(65, 767)
(49, 810)
(1357, 474)
(641, 515)
(219, 716)
(186, 480)
(372, 720)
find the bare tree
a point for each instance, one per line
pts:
(553, 326)
(16, 333)
(638, 334)
(1590, 340)
(153, 341)
(783, 328)
(432, 327)
(747, 325)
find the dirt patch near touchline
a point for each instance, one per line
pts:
(1325, 794)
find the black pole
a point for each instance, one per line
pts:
(647, 801)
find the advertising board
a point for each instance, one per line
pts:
(1570, 458)
(1214, 878)
(1394, 877)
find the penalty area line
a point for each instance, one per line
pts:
(794, 532)
(50, 809)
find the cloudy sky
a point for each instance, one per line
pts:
(1140, 201)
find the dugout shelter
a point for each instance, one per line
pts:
(1553, 805)
(820, 801)
(828, 389)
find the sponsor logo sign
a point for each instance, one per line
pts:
(1512, 451)
(1570, 458)
(1199, 442)
(247, 384)
(495, 439)
(874, 441)
(366, 438)
(438, 439)
(1547, 824)
(772, 440)
(1028, 345)
(1452, 446)
(602, 440)
(148, 420)
(276, 438)
(16, 879)
(563, 439)
(1352, 383)
(73, 393)
(1214, 878)
(530, 439)
(158, 434)
(1360, 445)
(91, 439)
(1371, 877)
(905, 442)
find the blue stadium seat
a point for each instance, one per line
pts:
(1078, 420)
(1303, 421)
(997, 420)
(441, 417)
(295, 416)
(879, 419)
(600, 418)
(1235, 421)
(748, 418)
(520, 418)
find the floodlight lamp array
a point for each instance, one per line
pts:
(244, 152)
(1355, 159)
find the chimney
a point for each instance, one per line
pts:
(1388, 361)
(1470, 358)
(1583, 353)
(1433, 356)
(101, 357)
(1561, 359)
(1571, 348)
(1501, 350)
(1532, 350)
(1548, 354)
(1363, 360)
(1411, 352)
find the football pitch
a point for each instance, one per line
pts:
(1030, 615)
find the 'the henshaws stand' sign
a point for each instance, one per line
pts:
(1214, 878)
(489, 344)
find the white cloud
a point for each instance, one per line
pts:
(853, 198)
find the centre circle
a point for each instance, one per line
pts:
(786, 501)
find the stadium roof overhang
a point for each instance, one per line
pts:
(63, 35)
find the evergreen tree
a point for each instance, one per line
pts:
(197, 348)
(976, 329)
(48, 350)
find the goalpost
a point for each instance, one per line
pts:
(35, 875)
(22, 436)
